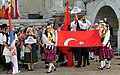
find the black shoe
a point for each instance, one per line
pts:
(96, 60)
(50, 71)
(91, 58)
(88, 63)
(42, 59)
(54, 69)
(108, 67)
(100, 68)
(30, 70)
(84, 65)
(46, 67)
(78, 66)
(104, 67)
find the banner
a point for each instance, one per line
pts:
(78, 38)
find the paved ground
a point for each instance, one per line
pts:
(89, 70)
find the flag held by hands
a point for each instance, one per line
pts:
(78, 39)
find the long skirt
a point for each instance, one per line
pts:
(109, 53)
(106, 53)
(102, 54)
(31, 57)
(50, 55)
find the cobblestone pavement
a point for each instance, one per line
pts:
(89, 70)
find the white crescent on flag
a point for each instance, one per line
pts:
(68, 40)
(75, 10)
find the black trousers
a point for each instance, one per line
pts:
(18, 54)
(82, 52)
(61, 57)
(2, 57)
(74, 51)
(0, 54)
(79, 56)
(85, 54)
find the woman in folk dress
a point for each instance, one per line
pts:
(106, 52)
(50, 56)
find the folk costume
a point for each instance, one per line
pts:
(30, 56)
(10, 54)
(50, 54)
(106, 51)
(7, 54)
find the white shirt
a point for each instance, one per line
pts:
(46, 41)
(16, 37)
(84, 25)
(1, 38)
(74, 26)
(107, 37)
(6, 51)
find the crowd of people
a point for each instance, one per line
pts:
(29, 41)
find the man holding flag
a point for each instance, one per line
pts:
(6, 51)
(10, 50)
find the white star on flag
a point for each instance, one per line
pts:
(81, 43)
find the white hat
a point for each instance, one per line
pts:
(103, 23)
(29, 28)
(96, 24)
(49, 27)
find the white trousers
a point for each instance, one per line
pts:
(8, 58)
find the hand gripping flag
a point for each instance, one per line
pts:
(13, 47)
(78, 39)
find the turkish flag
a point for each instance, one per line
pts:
(78, 38)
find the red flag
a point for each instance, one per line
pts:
(6, 12)
(17, 15)
(79, 39)
(66, 25)
(66, 18)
